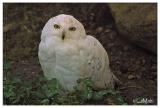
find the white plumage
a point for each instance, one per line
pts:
(67, 54)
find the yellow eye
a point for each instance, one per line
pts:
(56, 26)
(72, 28)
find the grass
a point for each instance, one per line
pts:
(39, 91)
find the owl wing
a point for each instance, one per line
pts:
(97, 63)
(47, 59)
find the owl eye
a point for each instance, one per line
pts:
(56, 26)
(72, 28)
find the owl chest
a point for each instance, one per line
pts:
(68, 57)
(67, 61)
(68, 65)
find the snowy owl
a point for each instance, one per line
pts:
(68, 54)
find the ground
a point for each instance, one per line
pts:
(136, 68)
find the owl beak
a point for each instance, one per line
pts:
(63, 35)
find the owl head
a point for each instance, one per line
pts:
(64, 27)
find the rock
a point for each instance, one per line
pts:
(131, 77)
(110, 101)
(125, 48)
(99, 29)
(137, 23)
(10, 26)
(138, 76)
(119, 72)
(108, 30)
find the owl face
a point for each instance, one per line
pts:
(64, 27)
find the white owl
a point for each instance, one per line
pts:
(67, 54)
